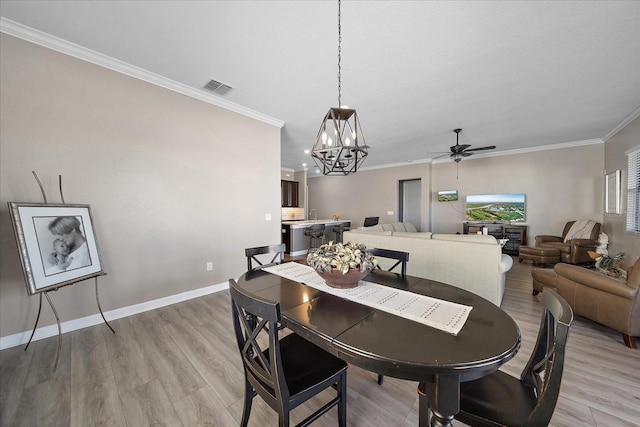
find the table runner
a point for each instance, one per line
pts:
(446, 316)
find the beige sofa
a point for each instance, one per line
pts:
(471, 262)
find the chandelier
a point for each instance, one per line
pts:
(339, 148)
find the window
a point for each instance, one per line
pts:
(633, 190)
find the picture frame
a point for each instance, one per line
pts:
(447, 195)
(57, 244)
(612, 193)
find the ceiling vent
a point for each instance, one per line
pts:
(217, 87)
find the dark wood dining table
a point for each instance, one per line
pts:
(394, 346)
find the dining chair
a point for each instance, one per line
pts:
(291, 370)
(252, 255)
(500, 399)
(402, 258)
(370, 221)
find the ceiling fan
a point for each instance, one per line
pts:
(458, 152)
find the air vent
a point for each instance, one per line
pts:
(218, 87)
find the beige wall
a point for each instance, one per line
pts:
(615, 225)
(367, 193)
(159, 169)
(560, 185)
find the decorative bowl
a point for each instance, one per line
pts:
(336, 279)
(342, 265)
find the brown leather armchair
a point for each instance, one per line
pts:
(574, 251)
(610, 301)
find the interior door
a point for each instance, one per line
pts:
(410, 201)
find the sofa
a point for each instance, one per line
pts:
(610, 301)
(471, 262)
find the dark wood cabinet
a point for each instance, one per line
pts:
(517, 234)
(289, 194)
(286, 237)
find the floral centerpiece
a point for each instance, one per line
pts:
(342, 265)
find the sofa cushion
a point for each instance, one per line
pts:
(366, 230)
(410, 227)
(398, 226)
(470, 238)
(387, 227)
(413, 235)
(377, 227)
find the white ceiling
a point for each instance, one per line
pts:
(515, 74)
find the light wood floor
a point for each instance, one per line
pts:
(178, 366)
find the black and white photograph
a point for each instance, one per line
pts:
(57, 244)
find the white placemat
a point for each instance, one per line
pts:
(444, 315)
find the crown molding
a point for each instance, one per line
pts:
(486, 155)
(32, 35)
(631, 117)
(531, 149)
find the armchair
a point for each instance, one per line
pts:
(573, 251)
(610, 301)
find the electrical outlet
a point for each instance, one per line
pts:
(389, 213)
(209, 266)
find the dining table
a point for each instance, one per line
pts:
(393, 345)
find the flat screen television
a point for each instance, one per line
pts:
(496, 207)
(447, 195)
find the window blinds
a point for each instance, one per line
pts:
(633, 190)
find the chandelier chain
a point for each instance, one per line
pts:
(339, 57)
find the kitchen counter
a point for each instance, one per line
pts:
(295, 240)
(308, 223)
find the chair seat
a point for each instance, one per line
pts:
(496, 400)
(305, 364)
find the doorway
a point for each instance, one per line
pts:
(410, 200)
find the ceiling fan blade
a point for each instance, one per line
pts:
(458, 148)
(465, 153)
(489, 147)
(441, 155)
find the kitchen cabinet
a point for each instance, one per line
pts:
(289, 194)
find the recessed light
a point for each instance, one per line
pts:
(306, 151)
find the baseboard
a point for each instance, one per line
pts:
(73, 325)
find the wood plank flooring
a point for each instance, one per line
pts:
(178, 366)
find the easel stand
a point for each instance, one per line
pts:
(55, 312)
(46, 293)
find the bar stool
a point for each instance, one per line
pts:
(315, 233)
(339, 229)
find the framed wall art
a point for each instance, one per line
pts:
(612, 193)
(57, 244)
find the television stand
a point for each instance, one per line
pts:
(516, 233)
